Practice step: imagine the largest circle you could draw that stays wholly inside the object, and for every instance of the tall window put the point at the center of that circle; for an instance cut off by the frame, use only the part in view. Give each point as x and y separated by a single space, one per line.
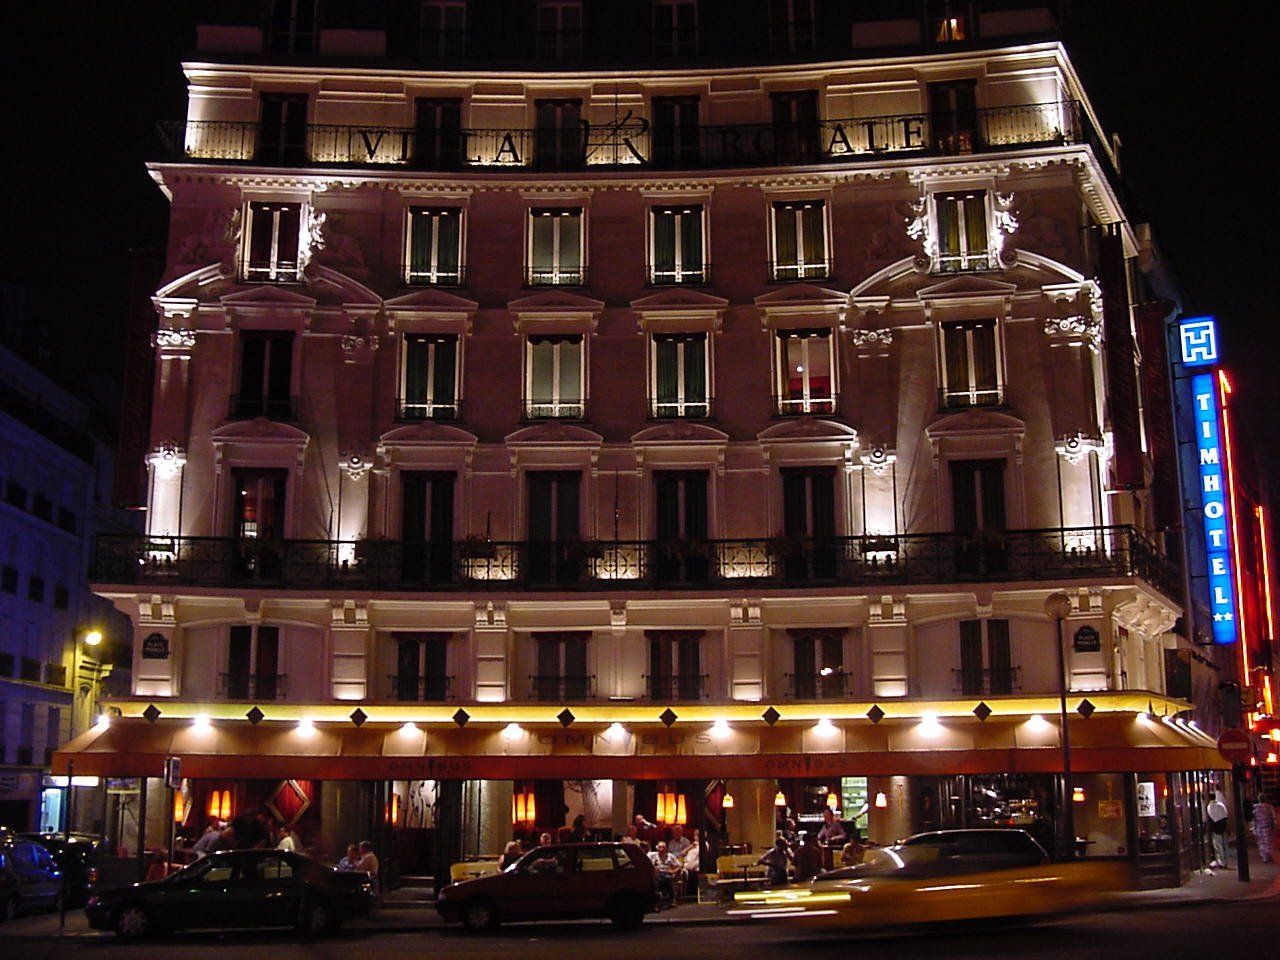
559 30
818 657
809 523
559 137
266 375
422 669
430 377
426 527
258 518
679 384
675 132
949 21
953 116
562 667
962 231
554 377
253 664
271 242
676 250
437 133
435 246
804 361
443 33
291 26
675 671
971 364
790 26
799 239
680 514
797 135
282 128
555 246
993 673
675 28
978 508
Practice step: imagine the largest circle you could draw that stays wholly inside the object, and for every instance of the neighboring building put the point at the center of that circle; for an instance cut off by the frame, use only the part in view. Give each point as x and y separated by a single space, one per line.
710 400
55 484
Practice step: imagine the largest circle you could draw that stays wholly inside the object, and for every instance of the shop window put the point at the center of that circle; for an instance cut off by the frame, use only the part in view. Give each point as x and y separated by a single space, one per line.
679 384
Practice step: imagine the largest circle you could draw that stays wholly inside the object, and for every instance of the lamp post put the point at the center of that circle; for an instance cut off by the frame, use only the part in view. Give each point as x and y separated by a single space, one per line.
1058 607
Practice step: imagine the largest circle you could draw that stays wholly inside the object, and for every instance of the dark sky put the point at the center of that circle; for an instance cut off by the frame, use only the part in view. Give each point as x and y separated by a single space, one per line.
1188 87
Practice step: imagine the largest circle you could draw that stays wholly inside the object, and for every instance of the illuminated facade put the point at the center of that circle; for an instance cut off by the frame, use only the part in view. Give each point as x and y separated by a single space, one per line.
560 438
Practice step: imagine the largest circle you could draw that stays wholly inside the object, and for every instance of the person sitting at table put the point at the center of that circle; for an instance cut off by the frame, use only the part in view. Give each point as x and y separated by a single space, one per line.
853 851
832 833
351 859
678 843
777 858
808 858
693 862
510 854
668 869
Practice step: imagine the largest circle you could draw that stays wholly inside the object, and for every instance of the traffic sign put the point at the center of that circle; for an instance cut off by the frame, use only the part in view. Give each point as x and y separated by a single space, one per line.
1236 746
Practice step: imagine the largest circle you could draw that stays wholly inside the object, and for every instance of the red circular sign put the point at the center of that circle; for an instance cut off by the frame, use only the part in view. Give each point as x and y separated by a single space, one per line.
1235 745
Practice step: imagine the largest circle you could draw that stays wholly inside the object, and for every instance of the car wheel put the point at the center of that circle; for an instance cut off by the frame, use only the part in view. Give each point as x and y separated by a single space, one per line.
133 921
479 915
626 912
315 918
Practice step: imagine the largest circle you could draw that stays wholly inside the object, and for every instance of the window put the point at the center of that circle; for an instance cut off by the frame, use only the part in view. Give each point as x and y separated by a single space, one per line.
437 133
258 522
562 667
553 553
978 517
443 35
680 513
796 131
9 579
291 26
818 659
35 589
675 131
559 30
962 231
810 549
435 246
949 21
675 671
799 240
559 137
16 494
993 674
253 662
675 28
970 364
61 597
52 732
66 520
266 375
555 246
805 362
272 242
282 128
790 26
554 375
676 247
42 507
953 116
421 667
426 527
679 384
430 377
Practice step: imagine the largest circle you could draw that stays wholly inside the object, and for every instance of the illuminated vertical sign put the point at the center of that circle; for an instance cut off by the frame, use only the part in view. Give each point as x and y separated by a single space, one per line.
1213 500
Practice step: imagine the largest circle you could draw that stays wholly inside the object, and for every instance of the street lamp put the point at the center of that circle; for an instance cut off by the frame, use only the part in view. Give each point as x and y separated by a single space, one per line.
1057 606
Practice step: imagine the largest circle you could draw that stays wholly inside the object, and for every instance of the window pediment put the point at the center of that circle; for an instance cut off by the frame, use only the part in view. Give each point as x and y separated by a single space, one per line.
555 311
967 288
430 310
272 305
679 432
259 442
802 305
679 311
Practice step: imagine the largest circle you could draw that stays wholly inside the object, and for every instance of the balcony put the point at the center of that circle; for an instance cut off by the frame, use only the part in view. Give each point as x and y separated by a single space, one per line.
557 688
992 680
673 687
252 686
631 143
1051 555
825 684
407 688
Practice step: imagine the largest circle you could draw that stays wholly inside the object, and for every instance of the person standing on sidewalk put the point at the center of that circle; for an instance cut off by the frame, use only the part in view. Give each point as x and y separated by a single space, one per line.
1264 826
1216 813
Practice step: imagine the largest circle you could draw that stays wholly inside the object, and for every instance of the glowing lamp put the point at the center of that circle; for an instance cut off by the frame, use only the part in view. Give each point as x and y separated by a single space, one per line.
832 801
779 799
727 802
1077 795
680 810
881 800
179 808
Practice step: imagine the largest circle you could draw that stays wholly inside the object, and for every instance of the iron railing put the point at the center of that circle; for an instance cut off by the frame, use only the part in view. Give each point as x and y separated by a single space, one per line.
664 687
557 688
633 142
819 685
1054 554
994 680
253 686
432 688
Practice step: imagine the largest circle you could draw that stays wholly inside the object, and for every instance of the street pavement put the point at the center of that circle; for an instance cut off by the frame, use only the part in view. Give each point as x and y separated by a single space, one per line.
408 910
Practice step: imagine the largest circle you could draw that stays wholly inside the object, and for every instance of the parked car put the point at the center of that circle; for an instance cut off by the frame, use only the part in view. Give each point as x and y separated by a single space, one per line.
237 888
8 887
558 882
77 857
36 882
943 876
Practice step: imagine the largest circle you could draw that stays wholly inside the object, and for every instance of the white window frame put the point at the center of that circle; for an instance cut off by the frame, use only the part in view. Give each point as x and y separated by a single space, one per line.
969 391
431 408
680 275
274 273
964 260
683 407
556 408
802 269
434 275
559 275
807 403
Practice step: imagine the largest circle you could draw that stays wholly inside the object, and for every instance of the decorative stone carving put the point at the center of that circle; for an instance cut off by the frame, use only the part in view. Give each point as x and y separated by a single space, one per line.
878 458
1073 447
355 465
167 460
173 340
872 338
313 237
1086 328
358 349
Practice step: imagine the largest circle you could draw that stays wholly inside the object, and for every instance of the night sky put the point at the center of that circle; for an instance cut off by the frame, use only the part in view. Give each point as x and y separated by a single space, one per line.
1189 93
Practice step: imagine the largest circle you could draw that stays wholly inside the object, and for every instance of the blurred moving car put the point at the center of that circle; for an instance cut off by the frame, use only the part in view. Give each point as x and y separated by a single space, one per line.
558 882
77 857
34 880
237 888
942 876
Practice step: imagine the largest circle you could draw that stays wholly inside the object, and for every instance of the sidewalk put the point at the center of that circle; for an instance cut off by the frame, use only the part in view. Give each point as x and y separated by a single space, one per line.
408 910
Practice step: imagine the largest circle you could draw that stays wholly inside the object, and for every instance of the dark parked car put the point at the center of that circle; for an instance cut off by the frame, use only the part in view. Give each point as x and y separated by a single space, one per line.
36 881
558 882
237 888
77 857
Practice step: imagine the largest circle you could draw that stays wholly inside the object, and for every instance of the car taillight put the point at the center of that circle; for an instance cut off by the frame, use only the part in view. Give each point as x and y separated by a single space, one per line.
93 874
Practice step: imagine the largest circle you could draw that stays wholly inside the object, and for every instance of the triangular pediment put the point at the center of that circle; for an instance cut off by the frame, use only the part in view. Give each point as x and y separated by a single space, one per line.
555 311
967 286
266 296
428 433
679 431
802 294
430 299
969 422
678 299
679 310
807 428
554 431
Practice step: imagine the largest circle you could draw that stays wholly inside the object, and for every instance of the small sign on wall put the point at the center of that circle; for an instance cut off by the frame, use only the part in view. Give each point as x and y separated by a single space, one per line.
1146 799
155 646
1087 640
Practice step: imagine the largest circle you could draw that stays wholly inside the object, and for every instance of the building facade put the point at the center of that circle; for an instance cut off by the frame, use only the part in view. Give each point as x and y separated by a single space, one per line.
706 412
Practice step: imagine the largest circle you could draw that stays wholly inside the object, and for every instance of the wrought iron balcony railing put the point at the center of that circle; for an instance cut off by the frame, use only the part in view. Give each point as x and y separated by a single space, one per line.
1054 554
557 688
253 686
825 684
408 688
995 680
634 142
664 687
428 409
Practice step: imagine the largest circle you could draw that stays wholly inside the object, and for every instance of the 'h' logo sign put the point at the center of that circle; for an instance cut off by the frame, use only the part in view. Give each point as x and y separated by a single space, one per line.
1199 342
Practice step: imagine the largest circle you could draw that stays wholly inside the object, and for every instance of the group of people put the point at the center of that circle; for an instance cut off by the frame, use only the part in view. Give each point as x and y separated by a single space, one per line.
1264 820
801 854
677 862
360 856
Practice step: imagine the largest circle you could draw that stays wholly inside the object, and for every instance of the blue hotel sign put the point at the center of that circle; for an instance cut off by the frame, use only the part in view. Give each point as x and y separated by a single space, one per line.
1199 348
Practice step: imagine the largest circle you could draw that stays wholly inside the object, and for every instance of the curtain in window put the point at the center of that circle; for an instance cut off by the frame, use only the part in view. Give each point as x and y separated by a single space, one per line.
948 227
784 231
417 355
444 373
998 657
971 657
814 247
955 348
667 373
695 372
239 651
984 362
664 245
408 655
435 674
975 226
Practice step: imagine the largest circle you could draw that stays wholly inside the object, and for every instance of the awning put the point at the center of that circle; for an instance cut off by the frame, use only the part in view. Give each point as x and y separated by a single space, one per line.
1104 743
